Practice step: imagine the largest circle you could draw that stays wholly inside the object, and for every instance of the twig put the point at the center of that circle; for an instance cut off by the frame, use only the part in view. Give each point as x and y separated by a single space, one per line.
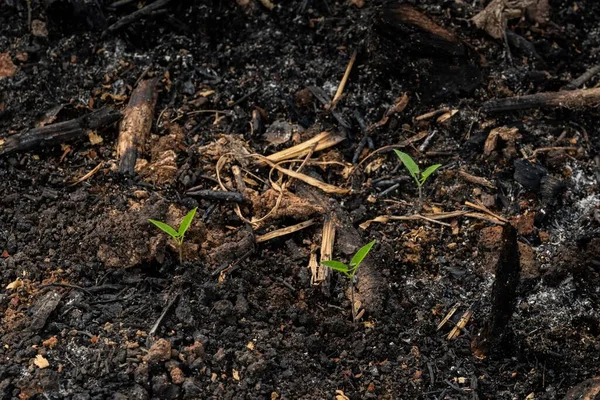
546 149
217 195
566 98
424 218
162 316
284 283
427 140
475 179
232 265
583 78
485 210
67 285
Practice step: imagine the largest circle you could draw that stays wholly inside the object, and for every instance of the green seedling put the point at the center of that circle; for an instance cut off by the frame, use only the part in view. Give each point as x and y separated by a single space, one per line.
351 269
415 172
177 235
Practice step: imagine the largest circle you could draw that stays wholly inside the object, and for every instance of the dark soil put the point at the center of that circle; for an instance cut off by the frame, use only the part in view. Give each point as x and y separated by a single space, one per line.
95 304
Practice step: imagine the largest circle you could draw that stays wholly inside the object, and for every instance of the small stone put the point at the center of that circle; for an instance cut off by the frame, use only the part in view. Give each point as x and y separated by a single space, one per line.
191 390
488 200
160 351
7 68
38 28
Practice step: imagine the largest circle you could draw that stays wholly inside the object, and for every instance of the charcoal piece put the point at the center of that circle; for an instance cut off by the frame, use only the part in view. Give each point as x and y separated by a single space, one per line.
551 188
68 15
405 42
490 338
529 174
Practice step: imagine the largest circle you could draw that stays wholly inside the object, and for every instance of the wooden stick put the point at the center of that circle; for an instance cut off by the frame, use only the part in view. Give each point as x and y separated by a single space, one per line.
569 98
136 124
61 132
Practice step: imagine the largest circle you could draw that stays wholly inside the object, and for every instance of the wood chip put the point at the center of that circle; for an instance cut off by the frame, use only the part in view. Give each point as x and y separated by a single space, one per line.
41 362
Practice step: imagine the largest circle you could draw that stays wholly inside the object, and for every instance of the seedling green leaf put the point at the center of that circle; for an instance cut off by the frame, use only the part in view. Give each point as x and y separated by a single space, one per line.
430 170
351 270
415 172
187 220
177 236
336 265
361 254
165 228
409 163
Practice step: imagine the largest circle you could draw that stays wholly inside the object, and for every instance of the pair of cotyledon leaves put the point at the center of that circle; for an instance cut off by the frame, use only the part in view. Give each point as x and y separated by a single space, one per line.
350 269
177 235
414 170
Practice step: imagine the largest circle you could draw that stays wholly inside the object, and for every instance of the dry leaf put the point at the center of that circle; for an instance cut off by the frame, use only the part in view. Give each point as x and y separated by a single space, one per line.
250 345
41 362
446 116
236 375
206 93
94 138
339 395
494 18
15 284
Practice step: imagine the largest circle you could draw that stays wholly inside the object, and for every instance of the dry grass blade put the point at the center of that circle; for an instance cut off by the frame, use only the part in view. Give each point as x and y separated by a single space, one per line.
326 187
340 89
284 231
433 218
88 175
322 141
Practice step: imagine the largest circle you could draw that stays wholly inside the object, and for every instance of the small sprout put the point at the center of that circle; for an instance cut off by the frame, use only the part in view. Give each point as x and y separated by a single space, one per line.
177 235
351 269
415 172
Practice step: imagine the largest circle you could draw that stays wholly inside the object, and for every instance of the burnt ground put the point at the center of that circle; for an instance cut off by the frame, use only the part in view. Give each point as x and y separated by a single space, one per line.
94 302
